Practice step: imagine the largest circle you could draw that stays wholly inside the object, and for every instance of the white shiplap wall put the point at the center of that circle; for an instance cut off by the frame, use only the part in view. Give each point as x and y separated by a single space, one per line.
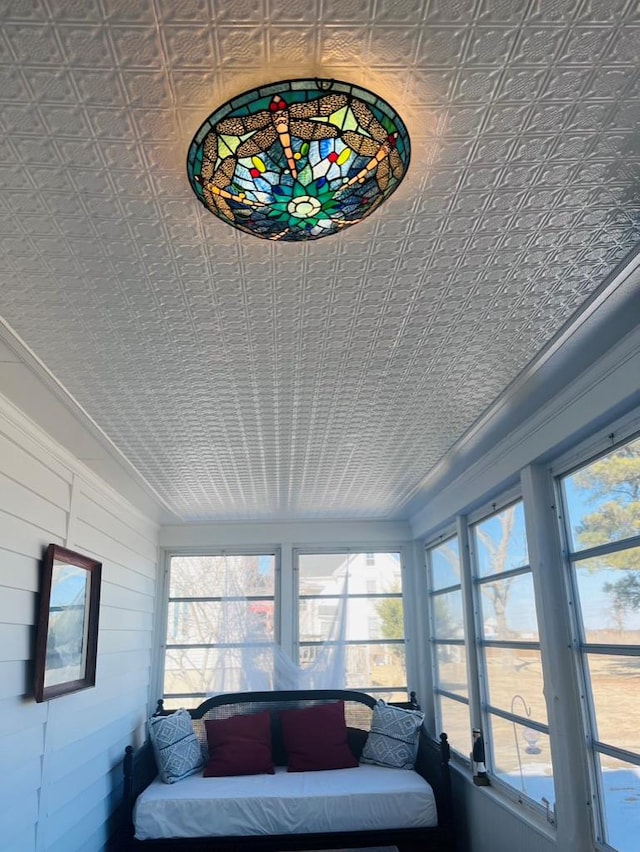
60 761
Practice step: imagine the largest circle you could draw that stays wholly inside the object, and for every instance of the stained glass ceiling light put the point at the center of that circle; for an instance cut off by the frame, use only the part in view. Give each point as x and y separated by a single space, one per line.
298 160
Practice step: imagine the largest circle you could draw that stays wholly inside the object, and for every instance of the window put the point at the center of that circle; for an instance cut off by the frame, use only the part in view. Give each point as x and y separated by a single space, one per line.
219 606
514 712
336 607
601 528
223 615
449 653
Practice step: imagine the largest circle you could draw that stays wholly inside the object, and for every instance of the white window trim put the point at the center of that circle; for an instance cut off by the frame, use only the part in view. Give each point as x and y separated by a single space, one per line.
600 443
607 440
161 621
488 510
403 550
433 543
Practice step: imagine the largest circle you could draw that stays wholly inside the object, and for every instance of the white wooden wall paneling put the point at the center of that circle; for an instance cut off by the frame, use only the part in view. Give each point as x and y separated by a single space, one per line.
16 713
354 534
105 759
88 539
25 776
12 678
20 502
22 838
33 442
17 606
22 812
25 537
127 579
21 466
77 803
116 641
72 727
97 789
92 775
115 618
139 541
17 744
102 749
111 665
18 571
116 596
62 759
81 835
15 642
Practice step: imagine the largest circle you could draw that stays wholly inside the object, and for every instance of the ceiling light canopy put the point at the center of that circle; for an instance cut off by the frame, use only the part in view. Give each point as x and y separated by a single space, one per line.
299 159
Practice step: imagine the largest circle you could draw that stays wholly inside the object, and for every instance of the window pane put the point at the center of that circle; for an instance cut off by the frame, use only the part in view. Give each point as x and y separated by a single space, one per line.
366 588
453 719
621 785
217 576
451 669
602 499
367 618
522 759
375 665
197 670
180 703
500 541
514 682
317 618
448 622
204 622
609 589
615 686
444 562
324 573
509 609
189 670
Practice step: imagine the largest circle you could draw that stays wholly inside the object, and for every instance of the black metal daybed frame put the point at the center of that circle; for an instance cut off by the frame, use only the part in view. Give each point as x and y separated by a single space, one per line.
432 764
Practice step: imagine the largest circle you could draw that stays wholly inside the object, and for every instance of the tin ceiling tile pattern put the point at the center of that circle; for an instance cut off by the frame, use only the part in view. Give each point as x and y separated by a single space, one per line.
249 380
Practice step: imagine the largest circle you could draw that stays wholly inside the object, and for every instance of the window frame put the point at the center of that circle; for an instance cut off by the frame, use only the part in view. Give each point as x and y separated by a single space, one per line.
366 552
583 455
434 641
490 509
161 632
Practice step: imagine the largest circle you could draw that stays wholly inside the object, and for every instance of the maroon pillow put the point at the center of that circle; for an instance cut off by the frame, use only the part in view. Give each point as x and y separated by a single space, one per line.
240 745
316 738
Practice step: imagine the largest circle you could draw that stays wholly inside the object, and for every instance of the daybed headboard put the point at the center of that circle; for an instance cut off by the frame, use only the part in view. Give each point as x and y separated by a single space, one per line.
358 710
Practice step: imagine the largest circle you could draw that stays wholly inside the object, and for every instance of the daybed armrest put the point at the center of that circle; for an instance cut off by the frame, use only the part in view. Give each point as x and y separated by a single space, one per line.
140 769
432 763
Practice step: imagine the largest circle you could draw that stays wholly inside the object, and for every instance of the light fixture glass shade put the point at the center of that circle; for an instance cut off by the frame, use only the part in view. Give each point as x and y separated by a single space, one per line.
298 160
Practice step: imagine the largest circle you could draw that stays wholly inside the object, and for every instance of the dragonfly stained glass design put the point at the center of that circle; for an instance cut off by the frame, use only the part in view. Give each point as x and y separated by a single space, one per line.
298 160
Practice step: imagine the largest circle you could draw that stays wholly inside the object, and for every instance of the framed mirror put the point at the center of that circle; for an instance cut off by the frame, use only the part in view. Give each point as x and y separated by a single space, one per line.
67 630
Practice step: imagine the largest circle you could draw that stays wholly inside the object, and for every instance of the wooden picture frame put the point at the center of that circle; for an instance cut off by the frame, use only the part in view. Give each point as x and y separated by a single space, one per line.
67 631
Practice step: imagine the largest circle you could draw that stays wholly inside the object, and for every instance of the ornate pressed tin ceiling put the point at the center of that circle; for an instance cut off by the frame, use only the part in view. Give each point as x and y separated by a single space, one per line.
251 380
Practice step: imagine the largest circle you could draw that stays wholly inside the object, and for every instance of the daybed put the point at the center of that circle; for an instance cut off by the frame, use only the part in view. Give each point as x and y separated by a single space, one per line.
327 809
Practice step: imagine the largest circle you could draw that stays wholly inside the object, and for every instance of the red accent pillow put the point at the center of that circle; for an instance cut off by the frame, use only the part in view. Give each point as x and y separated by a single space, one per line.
240 745
316 738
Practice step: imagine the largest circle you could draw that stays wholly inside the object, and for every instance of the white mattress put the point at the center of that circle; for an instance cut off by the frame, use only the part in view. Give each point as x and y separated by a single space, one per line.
363 798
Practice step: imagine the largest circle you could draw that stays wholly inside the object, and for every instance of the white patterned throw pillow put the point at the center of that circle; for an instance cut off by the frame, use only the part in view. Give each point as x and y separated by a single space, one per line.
175 745
393 738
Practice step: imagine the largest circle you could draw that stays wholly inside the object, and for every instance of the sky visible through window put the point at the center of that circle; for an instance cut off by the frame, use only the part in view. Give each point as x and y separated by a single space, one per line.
602 508
608 493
